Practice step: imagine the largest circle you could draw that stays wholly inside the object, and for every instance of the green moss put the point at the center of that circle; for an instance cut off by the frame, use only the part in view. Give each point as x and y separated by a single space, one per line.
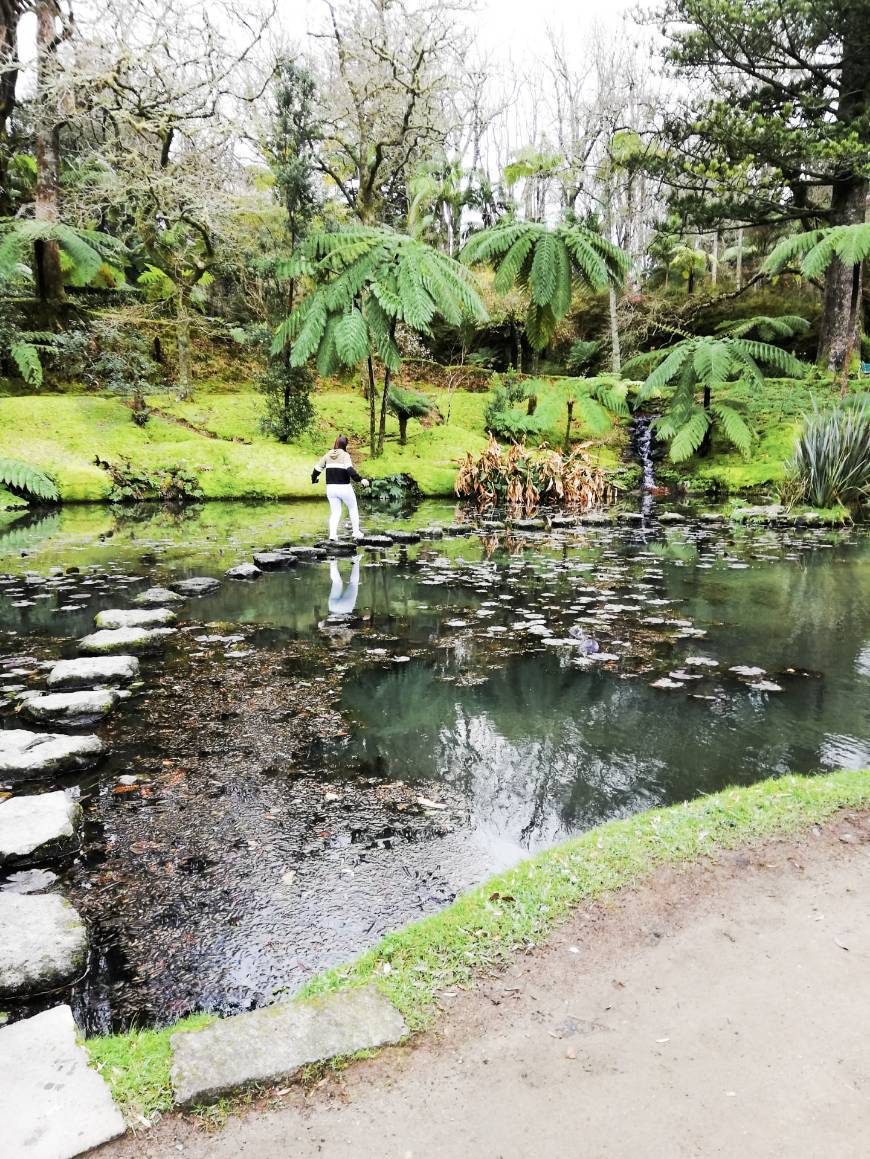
136 1066
518 908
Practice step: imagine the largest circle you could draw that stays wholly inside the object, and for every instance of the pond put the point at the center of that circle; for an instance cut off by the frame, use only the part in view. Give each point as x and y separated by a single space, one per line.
330 751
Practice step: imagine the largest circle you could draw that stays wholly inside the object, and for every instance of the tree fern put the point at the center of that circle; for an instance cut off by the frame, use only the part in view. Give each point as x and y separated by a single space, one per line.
87 251
27 481
549 263
704 363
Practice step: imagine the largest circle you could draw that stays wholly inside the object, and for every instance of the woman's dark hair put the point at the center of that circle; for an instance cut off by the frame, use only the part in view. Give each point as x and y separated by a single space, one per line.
340 443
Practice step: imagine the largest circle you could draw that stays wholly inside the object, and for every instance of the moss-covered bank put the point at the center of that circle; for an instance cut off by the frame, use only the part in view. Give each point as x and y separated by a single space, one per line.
480 931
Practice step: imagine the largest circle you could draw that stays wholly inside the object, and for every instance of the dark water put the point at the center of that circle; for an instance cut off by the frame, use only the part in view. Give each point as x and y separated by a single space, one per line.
384 733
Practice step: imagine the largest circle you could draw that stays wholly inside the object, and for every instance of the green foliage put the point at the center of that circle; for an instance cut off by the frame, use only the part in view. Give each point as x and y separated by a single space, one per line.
292 136
816 249
27 482
501 418
396 491
548 263
409 404
123 365
831 461
582 356
369 280
706 362
26 348
90 255
131 484
288 410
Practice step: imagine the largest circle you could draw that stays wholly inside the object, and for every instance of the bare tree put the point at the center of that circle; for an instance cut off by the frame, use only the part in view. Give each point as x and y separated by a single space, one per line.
387 72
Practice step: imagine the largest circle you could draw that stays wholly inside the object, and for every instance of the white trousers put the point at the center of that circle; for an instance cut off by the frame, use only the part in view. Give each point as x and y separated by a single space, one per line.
338 493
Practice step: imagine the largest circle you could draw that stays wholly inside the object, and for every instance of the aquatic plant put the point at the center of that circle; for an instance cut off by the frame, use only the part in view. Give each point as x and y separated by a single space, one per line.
831 460
523 477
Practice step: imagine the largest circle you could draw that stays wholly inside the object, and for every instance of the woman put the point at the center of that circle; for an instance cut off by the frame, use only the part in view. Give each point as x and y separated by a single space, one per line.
339 489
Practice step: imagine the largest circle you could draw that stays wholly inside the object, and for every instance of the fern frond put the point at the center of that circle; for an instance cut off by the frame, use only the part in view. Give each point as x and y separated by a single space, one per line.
25 355
351 338
690 435
30 482
733 427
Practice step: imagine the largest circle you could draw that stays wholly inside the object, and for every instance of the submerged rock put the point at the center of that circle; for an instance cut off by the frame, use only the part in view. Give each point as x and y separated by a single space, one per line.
197 585
43 943
153 597
88 671
80 707
244 571
118 639
61 1105
120 618
30 753
37 827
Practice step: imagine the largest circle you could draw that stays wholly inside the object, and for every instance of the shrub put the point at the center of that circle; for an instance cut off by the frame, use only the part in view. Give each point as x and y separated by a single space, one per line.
394 491
134 484
524 478
288 410
124 366
831 460
502 419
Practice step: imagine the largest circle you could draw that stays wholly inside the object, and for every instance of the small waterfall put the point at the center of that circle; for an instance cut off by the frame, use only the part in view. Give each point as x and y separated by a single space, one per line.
642 442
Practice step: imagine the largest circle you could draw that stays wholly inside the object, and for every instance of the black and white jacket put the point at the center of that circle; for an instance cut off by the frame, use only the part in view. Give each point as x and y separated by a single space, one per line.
338 466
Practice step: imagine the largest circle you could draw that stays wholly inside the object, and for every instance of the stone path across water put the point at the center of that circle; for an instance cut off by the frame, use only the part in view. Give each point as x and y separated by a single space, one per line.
52 1104
38 826
43 944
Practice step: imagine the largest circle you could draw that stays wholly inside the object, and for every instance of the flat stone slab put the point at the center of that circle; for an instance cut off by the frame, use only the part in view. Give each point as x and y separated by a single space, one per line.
43 943
85 672
268 1045
376 540
138 618
52 1104
154 597
28 753
197 585
244 571
109 640
38 826
81 706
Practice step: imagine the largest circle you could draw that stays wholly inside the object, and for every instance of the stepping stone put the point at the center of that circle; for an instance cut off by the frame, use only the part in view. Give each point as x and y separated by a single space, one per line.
747 670
375 541
154 597
596 518
29 881
119 639
37 827
271 1044
409 536
337 547
86 672
458 529
197 585
30 753
563 521
244 571
527 524
43 943
307 553
118 618
273 560
71 707
54 1105
671 517
666 682
429 533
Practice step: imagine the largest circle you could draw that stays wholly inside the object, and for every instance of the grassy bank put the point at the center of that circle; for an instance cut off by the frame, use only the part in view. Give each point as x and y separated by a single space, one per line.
216 436
516 909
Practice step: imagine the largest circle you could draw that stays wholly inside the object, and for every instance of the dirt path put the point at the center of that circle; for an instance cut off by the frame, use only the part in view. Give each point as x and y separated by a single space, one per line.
719 1011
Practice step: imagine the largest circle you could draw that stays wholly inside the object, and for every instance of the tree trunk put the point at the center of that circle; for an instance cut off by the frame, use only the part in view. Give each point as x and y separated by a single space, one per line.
182 337
373 450
853 326
403 430
567 447
714 260
738 273
707 441
615 347
49 277
837 325
382 425
10 14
